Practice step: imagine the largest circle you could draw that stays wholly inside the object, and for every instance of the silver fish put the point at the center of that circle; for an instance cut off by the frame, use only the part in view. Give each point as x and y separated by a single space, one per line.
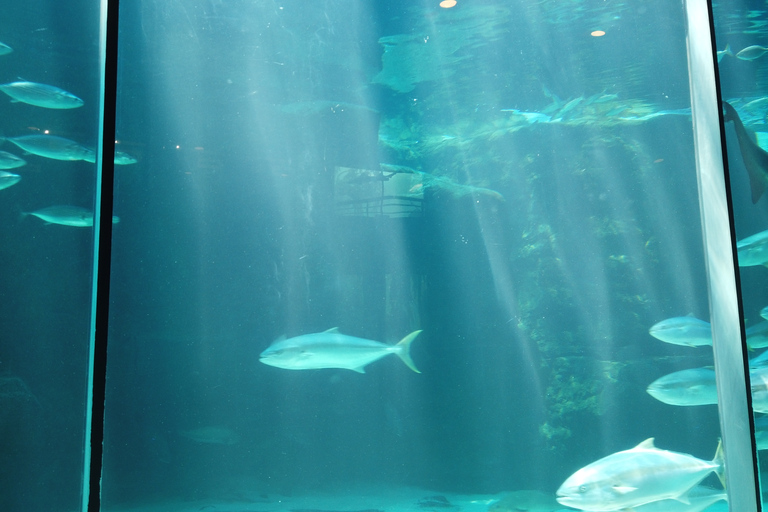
686 387
121 158
723 53
10 161
41 95
331 349
8 179
52 146
634 477
751 52
753 250
67 215
683 330
5 49
764 312
757 335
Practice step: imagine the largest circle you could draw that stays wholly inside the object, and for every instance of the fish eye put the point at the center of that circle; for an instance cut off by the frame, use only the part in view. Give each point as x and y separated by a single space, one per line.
582 488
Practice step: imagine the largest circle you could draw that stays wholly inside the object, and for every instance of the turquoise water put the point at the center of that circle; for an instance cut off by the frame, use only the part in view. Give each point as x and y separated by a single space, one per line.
515 179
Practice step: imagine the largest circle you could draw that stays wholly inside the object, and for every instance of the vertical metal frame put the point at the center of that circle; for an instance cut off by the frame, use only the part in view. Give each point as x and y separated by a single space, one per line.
731 364
102 256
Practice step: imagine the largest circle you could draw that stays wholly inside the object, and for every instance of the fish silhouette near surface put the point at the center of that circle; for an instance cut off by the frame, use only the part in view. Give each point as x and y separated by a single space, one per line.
755 158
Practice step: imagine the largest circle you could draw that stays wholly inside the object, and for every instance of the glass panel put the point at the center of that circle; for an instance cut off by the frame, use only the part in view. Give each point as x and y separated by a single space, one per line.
406 255
50 113
742 33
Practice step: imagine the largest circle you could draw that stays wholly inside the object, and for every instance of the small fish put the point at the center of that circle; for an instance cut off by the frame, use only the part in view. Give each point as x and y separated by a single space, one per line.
683 330
751 52
212 435
331 349
121 158
41 95
5 49
757 336
10 161
634 477
685 388
755 158
753 250
8 179
723 53
764 312
52 146
66 215
758 379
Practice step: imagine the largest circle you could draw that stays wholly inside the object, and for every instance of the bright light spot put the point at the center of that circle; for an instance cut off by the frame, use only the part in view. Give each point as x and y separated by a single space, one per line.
447 4
46 131
178 147
597 33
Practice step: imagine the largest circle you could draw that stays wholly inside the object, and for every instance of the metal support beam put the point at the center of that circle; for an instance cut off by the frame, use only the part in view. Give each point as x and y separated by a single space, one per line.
731 364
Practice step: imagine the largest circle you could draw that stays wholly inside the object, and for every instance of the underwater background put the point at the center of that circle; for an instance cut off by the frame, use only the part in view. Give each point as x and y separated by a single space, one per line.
497 174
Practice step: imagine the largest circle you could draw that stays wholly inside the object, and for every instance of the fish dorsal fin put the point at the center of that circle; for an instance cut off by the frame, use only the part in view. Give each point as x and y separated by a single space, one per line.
333 330
623 489
646 445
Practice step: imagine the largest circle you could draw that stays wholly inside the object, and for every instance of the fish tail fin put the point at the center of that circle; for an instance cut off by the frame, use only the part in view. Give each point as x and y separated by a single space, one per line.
404 351
730 112
719 461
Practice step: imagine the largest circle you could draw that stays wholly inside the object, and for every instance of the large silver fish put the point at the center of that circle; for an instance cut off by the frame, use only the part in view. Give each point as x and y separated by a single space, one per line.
8 179
52 146
41 95
10 161
634 477
687 387
753 250
67 215
331 349
683 330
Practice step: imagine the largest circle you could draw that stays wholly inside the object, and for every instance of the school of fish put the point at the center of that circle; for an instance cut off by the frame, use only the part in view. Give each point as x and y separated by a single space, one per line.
43 145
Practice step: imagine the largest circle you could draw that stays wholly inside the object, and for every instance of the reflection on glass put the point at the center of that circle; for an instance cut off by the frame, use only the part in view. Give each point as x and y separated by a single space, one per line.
312 181
47 264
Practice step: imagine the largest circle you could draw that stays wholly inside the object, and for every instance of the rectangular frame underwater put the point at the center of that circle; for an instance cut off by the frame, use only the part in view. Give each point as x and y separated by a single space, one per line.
497 179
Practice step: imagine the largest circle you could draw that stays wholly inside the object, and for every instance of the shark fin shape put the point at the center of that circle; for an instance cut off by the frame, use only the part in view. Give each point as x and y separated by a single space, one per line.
646 445
755 158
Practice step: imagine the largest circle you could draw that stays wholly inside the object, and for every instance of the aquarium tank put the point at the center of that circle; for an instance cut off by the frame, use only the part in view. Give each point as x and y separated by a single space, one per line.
400 256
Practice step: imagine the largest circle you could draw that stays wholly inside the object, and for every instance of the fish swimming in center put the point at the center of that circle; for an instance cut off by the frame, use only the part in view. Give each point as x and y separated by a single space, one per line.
634 477
755 158
331 349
